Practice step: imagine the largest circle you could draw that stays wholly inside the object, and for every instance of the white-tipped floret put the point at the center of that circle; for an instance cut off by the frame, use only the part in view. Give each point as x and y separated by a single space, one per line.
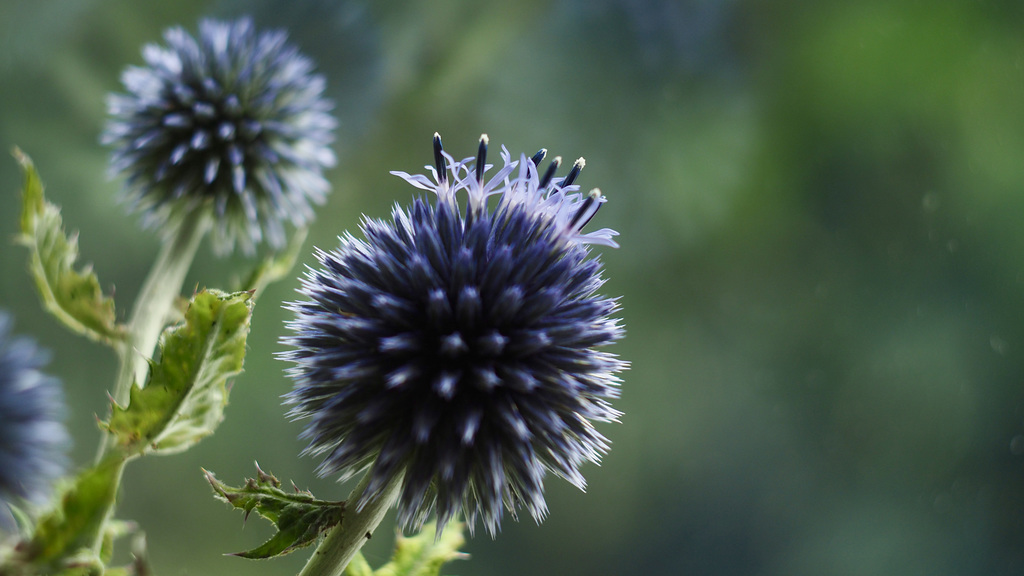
556 199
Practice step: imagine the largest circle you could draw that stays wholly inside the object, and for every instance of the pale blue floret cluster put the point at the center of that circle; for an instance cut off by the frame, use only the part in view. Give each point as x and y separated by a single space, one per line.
33 439
459 345
231 119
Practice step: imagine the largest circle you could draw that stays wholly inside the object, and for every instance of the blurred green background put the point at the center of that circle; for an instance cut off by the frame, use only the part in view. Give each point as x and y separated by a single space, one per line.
822 265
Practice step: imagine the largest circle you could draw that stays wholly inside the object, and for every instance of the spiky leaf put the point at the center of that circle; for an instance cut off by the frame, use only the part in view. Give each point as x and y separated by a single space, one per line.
419 555
186 392
72 296
298 516
66 536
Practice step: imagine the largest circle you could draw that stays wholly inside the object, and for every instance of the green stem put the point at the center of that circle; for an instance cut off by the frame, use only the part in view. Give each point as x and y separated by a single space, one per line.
105 511
152 309
339 546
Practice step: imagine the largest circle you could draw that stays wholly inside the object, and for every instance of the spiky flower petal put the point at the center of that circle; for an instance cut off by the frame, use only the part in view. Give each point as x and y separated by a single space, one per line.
33 440
233 121
459 346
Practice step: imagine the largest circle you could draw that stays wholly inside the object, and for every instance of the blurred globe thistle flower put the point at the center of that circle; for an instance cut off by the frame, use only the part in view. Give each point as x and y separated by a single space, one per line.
33 440
231 120
460 348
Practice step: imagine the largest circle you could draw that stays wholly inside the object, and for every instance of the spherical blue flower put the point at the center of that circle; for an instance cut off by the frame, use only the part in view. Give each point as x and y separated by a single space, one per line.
33 440
232 121
459 345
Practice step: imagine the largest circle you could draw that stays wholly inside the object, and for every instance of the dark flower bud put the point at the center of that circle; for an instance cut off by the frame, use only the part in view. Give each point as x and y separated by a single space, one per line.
231 121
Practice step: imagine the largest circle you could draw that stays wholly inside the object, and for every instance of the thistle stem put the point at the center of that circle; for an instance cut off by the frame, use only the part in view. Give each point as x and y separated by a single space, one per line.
343 541
152 309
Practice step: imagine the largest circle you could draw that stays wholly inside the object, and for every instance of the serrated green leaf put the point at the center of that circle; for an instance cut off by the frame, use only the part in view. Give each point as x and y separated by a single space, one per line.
424 553
186 393
299 517
72 296
65 536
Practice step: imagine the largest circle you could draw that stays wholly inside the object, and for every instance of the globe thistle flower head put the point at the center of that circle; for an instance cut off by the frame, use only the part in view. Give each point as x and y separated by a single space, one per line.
232 121
33 440
459 346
